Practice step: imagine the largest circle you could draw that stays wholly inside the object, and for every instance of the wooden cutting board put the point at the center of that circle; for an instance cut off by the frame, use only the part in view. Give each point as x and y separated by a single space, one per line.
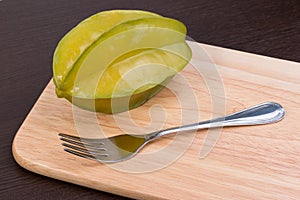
253 162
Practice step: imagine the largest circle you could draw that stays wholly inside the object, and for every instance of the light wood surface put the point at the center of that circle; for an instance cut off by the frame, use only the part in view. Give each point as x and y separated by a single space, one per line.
246 162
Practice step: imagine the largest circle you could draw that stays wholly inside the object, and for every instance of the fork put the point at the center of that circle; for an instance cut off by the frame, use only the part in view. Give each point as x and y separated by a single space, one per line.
122 147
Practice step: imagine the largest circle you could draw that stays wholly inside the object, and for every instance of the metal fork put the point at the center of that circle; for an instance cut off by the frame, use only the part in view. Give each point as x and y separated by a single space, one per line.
122 147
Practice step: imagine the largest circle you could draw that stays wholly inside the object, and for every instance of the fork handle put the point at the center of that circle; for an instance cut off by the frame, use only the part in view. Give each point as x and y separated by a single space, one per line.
265 113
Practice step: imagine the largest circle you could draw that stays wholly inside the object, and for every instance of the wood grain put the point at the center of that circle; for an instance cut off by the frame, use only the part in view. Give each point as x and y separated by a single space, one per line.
246 162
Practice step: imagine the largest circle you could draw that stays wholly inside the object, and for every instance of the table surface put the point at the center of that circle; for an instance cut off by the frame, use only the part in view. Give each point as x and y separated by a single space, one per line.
31 29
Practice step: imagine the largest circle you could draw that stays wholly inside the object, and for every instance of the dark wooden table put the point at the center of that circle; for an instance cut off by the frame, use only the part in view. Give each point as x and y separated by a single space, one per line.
30 30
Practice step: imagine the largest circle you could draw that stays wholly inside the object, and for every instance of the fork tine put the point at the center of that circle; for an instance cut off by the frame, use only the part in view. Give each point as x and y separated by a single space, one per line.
84 153
84 145
84 150
89 156
63 135
72 142
76 138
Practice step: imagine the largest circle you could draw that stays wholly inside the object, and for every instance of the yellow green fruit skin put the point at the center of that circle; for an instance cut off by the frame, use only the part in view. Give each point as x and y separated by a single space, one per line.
127 102
82 48
174 29
119 104
76 41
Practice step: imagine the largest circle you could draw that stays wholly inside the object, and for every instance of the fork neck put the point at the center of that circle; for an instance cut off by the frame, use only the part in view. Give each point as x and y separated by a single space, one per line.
190 127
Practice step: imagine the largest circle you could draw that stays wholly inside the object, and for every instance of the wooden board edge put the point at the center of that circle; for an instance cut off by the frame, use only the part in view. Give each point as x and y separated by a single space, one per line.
42 169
